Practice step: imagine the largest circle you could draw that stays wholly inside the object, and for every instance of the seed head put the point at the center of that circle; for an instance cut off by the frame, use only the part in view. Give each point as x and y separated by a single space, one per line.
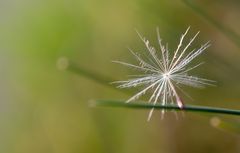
163 72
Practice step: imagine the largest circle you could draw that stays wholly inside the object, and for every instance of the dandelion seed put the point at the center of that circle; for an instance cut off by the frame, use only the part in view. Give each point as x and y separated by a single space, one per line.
163 72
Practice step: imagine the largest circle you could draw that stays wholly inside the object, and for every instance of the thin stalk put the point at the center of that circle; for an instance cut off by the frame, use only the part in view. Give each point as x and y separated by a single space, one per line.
104 80
192 108
65 64
229 33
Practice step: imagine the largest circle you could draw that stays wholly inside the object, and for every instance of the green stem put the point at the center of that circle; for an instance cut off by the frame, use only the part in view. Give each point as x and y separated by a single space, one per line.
193 108
72 67
229 33
65 64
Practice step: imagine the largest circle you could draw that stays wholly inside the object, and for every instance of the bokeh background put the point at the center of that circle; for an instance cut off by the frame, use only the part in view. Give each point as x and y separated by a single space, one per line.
46 110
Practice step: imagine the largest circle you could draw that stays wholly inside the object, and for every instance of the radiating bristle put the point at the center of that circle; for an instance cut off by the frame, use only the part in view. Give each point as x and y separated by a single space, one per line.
164 73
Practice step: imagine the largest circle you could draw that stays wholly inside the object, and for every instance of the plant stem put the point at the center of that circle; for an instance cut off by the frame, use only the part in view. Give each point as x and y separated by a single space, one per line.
193 108
72 67
65 64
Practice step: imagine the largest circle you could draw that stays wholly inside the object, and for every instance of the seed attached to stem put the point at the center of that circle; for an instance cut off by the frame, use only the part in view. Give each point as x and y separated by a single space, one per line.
164 72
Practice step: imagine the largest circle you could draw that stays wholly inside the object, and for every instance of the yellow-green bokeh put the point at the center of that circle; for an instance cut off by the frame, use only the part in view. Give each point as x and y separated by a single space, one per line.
44 110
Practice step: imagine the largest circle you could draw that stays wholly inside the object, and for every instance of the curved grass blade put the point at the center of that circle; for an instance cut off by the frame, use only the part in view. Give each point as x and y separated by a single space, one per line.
192 108
65 64
229 33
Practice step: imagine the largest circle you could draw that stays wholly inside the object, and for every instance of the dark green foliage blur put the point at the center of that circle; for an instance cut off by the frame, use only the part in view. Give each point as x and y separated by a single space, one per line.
46 110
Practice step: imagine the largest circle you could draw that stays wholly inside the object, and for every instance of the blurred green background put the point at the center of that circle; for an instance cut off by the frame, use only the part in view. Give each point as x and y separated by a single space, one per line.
44 110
